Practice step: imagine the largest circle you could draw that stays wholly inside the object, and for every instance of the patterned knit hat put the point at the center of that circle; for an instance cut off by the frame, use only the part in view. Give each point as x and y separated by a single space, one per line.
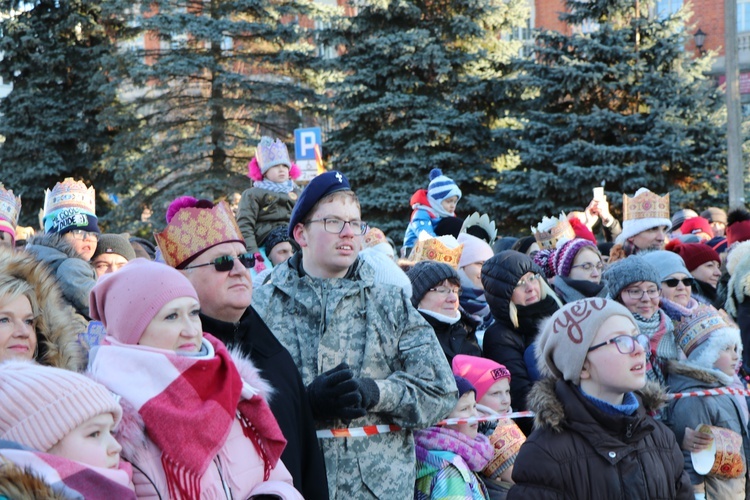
440 188
694 254
666 263
276 236
704 334
567 335
43 404
427 274
126 301
563 257
544 258
480 372
632 269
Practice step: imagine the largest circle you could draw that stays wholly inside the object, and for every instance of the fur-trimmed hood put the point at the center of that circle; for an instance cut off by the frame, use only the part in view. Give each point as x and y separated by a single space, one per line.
549 410
54 241
684 374
58 325
19 483
131 431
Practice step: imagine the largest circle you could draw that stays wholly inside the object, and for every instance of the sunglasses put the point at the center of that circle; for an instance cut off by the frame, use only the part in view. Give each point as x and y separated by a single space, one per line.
226 262
673 282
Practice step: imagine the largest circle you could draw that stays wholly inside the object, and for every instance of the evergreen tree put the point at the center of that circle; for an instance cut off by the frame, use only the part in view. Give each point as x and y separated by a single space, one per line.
418 91
52 54
624 103
204 81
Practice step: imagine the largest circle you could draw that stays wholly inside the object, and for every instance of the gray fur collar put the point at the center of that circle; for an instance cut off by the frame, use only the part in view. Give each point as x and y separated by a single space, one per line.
54 240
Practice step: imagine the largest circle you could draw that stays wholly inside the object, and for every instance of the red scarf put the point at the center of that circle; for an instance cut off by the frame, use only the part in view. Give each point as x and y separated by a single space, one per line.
189 416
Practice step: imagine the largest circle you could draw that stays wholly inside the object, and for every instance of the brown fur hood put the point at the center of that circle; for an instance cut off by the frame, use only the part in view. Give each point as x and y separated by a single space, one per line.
131 431
58 325
550 411
702 375
16 483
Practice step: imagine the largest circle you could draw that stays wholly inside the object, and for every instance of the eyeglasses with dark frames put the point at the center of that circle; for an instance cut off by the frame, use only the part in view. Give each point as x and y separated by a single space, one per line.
336 226
637 293
444 290
673 282
625 343
226 262
82 235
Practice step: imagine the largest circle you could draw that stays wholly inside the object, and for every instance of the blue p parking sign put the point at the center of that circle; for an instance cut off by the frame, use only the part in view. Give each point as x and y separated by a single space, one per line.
305 140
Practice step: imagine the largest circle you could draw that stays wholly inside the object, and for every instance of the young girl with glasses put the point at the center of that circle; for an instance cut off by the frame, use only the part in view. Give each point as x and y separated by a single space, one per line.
593 435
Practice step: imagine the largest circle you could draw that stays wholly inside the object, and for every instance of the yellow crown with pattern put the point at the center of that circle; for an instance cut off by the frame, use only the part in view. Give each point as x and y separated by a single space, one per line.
645 205
193 230
553 231
10 205
444 249
70 194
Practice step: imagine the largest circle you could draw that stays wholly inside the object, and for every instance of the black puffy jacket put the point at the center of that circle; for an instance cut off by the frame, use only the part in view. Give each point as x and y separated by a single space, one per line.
503 342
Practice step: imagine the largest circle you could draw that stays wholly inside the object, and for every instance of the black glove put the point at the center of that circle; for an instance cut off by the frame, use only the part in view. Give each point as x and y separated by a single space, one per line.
336 394
369 391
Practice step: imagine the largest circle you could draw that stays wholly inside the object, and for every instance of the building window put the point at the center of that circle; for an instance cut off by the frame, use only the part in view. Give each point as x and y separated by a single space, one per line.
743 16
665 8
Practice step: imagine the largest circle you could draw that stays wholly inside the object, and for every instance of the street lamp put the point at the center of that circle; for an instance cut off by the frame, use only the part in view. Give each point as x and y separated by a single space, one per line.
700 40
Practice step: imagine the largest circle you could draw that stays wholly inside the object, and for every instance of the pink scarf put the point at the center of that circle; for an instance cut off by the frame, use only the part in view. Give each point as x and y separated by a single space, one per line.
188 405
70 477
476 452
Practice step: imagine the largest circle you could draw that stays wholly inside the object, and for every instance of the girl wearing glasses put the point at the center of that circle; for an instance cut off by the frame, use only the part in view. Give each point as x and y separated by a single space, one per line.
578 268
519 299
634 283
594 436
436 288
196 424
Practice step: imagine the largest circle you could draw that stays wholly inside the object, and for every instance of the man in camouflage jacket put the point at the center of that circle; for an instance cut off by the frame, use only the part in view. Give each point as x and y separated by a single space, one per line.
366 355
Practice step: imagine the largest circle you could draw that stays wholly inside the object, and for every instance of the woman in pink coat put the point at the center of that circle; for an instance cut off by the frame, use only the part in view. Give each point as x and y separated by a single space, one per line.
195 424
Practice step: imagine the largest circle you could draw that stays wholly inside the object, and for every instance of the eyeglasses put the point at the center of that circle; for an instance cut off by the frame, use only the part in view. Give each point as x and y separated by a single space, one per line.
588 266
625 343
673 282
444 290
226 262
335 226
82 235
528 281
637 293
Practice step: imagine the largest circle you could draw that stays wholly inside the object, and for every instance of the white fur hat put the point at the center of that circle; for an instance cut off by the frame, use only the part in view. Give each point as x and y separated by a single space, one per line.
633 226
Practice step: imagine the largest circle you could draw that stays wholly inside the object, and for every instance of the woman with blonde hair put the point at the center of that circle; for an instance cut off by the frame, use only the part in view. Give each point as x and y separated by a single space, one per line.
519 298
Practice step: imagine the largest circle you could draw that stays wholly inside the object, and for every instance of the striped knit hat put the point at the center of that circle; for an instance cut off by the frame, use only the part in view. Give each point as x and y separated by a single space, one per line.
440 188
565 255
42 404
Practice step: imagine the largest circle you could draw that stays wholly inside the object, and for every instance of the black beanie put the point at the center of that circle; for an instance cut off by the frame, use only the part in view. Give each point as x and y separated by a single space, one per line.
427 274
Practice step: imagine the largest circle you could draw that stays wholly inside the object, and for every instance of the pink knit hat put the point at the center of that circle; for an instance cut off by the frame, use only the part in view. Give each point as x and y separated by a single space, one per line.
481 372
42 404
126 301
475 250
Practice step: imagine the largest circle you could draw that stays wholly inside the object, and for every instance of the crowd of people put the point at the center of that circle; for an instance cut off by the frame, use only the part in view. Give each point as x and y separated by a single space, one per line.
286 349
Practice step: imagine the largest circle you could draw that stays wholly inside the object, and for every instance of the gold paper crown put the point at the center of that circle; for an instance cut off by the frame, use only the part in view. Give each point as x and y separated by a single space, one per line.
70 194
552 230
507 440
10 205
374 236
691 331
440 249
193 230
646 205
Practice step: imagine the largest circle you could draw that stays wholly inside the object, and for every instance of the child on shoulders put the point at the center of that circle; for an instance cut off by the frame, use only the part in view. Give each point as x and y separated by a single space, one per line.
438 201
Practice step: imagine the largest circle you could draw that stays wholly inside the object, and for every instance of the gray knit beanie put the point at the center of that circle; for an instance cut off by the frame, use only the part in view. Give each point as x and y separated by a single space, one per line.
666 262
114 244
427 274
627 271
567 335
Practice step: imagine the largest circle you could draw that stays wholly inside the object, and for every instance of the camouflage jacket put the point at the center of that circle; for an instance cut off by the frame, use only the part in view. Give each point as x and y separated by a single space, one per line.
323 322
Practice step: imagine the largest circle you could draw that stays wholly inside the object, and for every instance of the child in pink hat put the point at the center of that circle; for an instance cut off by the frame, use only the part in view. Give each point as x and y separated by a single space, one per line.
492 383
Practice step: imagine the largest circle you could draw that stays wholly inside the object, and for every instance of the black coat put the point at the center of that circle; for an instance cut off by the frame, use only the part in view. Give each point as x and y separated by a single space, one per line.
302 455
457 338
580 452
503 342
